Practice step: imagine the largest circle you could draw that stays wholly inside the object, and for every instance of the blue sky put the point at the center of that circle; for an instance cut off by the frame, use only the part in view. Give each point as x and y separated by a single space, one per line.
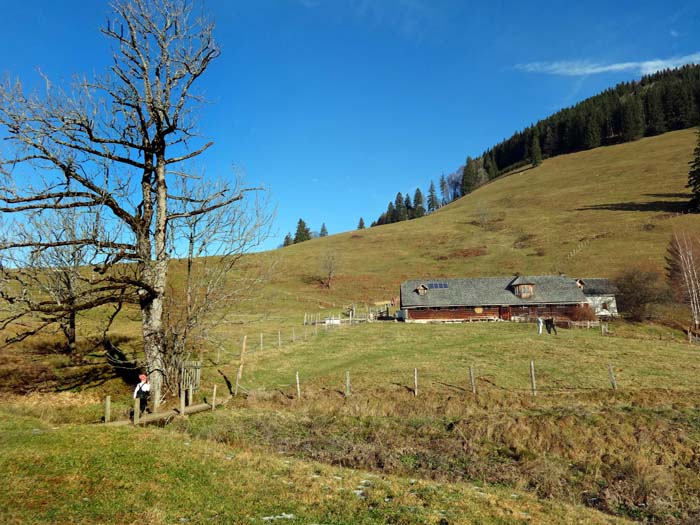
335 105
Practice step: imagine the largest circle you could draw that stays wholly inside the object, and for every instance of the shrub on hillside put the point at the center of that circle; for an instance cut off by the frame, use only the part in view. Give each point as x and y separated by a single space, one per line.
639 292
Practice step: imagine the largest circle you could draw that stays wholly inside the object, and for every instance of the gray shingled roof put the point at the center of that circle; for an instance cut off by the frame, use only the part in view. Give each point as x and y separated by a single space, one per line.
598 286
490 291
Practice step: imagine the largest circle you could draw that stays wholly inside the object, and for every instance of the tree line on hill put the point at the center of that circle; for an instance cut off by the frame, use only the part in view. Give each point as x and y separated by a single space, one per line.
665 101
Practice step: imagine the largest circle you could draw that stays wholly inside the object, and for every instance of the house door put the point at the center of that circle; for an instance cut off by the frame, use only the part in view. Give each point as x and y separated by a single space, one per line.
504 313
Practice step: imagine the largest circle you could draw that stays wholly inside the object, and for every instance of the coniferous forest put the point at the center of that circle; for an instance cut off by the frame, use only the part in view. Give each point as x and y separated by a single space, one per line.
665 101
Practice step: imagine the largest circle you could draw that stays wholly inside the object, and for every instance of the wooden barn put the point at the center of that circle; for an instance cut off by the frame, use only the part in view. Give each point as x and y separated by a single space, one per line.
517 298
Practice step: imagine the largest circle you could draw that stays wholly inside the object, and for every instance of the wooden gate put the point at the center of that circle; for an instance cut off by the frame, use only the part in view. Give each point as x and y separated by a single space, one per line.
191 375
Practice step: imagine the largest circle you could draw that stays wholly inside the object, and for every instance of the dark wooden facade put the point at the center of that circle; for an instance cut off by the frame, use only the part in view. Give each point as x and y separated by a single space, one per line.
566 312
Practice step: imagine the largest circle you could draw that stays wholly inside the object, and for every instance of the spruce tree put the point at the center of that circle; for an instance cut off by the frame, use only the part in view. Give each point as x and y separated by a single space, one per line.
490 166
433 202
592 137
418 205
654 111
694 178
324 231
470 175
361 224
409 207
303 232
400 213
632 119
390 213
288 241
535 151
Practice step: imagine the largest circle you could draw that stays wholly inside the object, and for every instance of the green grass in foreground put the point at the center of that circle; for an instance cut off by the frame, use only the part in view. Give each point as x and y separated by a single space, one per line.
93 474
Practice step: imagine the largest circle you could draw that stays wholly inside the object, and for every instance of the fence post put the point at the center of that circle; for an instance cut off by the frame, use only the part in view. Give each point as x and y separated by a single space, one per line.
298 387
415 382
137 410
239 374
471 379
347 383
279 339
190 395
245 339
613 383
532 378
108 409
213 398
182 401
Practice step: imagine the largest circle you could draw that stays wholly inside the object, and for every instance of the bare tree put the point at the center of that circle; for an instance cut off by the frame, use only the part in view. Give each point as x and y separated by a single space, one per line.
210 249
115 144
683 271
43 272
329 269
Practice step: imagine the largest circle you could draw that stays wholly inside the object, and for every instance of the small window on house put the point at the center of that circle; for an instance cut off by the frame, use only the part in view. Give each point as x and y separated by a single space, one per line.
524 291
605 306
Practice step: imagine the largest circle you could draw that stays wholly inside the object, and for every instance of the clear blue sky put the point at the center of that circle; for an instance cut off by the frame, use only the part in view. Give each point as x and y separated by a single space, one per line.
336 105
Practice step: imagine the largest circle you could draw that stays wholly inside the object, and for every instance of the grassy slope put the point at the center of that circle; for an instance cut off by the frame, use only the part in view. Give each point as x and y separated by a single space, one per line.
154 476
618 200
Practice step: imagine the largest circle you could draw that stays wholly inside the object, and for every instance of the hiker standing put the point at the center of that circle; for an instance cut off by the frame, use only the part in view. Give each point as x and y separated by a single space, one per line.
540 322
142 391
548 325
553 325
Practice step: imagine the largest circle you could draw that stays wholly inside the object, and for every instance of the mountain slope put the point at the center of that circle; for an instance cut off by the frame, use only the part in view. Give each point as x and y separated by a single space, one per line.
595 212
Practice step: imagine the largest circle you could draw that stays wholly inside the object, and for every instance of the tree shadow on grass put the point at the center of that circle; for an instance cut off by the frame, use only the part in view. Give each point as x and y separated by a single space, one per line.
651 206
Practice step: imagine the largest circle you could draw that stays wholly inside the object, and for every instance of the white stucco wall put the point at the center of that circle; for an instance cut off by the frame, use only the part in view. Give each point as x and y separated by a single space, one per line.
598 303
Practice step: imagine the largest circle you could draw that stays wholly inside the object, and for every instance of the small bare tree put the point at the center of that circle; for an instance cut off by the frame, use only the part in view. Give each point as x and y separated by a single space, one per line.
211 248
115 144
329 269
683 271
44 271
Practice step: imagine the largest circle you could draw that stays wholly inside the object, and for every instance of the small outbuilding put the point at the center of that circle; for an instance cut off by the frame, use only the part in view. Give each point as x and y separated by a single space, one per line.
600 294
519 298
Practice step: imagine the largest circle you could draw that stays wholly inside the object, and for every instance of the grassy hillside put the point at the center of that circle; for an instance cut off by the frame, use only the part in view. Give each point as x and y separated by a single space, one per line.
596 212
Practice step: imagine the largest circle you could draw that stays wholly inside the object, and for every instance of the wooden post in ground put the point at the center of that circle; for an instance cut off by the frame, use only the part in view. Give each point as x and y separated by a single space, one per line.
245 339
304 318
471 379
137 410
298 387
108 409
213 398
613 383
532 378
182 401
415 382
190 395
347 383
279 339
239 374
